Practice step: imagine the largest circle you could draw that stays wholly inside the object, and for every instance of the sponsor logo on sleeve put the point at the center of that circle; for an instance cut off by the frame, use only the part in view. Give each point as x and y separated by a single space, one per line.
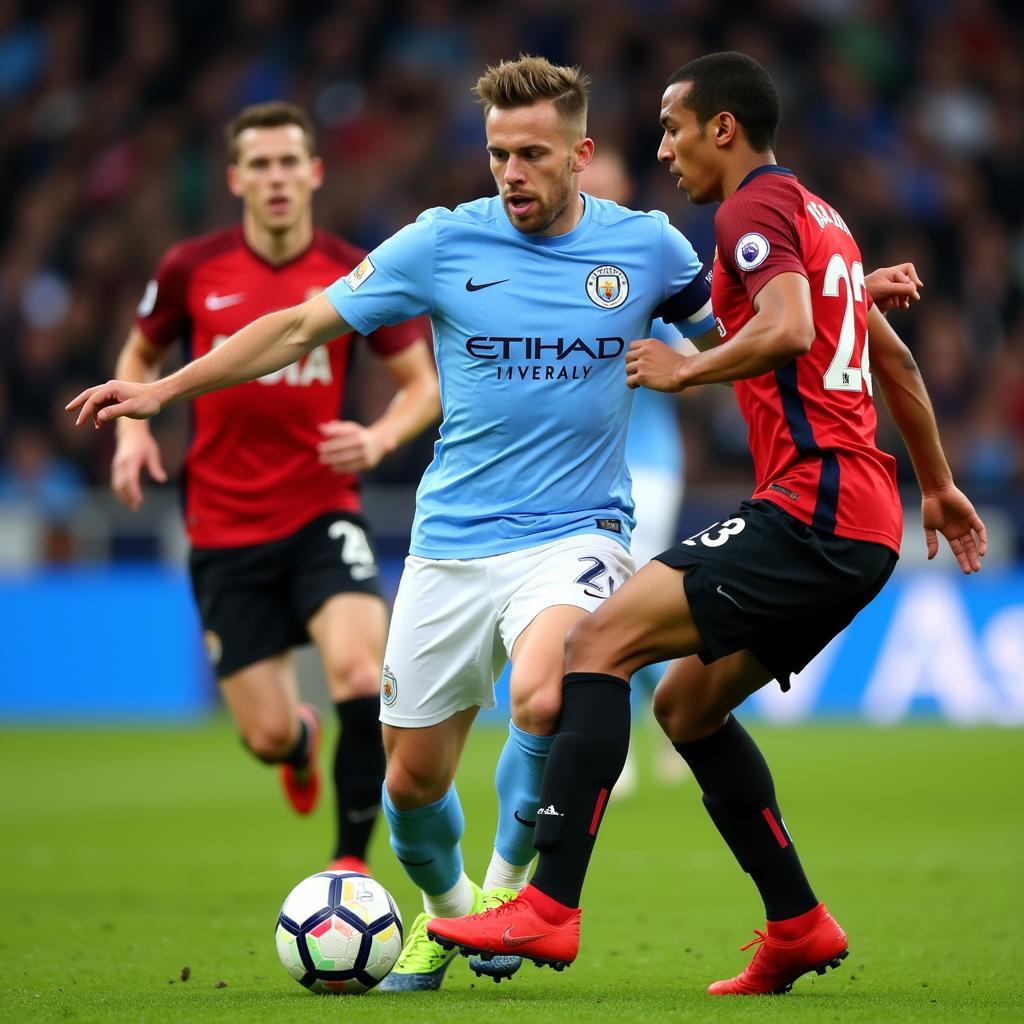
751 251
607 287
356 277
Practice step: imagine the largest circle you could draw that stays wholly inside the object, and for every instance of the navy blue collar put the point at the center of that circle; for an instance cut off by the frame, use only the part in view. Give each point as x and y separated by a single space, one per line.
764 169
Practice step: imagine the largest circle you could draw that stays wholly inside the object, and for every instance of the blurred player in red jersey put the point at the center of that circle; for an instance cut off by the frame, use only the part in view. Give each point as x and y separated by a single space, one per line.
280 554
755 596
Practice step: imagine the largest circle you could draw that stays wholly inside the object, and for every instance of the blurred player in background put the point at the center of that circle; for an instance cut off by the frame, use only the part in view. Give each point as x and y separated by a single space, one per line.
754 597
656 457
523 518
280 553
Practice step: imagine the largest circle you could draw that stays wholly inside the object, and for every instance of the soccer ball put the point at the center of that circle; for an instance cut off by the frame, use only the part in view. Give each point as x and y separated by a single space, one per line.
339 932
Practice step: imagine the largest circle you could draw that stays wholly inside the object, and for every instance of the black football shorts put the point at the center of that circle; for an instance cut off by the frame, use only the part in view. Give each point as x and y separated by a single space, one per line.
762 580
254 601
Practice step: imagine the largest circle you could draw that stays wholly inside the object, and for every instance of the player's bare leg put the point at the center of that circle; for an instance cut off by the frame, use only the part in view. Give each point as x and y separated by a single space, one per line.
423 812
694 700
585 760
263 700
349 631
646 621
693 705
535 689
535 685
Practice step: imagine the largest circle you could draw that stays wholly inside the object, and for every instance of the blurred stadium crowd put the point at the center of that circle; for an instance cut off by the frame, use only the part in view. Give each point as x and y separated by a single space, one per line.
908 117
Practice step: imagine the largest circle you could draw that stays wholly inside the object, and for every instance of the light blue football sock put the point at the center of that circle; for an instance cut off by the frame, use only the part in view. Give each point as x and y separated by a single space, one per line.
517 780
426 841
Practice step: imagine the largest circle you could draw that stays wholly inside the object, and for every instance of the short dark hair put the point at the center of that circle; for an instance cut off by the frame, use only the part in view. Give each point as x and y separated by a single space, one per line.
737 83
274 114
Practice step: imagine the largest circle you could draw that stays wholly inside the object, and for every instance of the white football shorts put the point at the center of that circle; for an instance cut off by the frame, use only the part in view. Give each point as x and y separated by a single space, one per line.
455 621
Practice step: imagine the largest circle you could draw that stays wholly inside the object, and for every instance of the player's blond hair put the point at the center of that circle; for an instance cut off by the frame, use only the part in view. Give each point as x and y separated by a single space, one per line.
274 114
528 80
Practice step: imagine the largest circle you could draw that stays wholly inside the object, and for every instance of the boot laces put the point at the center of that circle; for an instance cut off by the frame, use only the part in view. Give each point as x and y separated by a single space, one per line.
501 910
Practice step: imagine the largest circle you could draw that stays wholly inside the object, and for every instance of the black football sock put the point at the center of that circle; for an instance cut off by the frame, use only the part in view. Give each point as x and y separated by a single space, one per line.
586 758
358 774
740 797
298 756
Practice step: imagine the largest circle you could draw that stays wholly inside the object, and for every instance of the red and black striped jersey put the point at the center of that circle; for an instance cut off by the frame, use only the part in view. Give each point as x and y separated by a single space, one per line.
252 474
811 422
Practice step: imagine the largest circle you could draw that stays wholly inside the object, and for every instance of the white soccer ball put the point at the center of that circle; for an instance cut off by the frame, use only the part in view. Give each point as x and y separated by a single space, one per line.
339 932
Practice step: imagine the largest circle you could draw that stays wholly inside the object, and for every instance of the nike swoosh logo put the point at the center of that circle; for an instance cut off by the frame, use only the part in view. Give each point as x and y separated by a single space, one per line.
357 817
729 597
215 302
518 940
523 821
470 287
415 863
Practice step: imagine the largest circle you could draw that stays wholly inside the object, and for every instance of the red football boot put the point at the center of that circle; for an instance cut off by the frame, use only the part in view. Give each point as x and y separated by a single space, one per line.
350 863
779 962
302 785
512 929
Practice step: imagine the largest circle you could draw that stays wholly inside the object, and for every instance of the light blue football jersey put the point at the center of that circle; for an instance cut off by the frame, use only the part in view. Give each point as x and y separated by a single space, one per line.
654 440
530 335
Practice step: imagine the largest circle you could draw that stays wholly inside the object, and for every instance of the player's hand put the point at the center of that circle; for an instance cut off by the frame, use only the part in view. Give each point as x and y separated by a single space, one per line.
951 513
116 398
894 287
653 364
349 447
136 450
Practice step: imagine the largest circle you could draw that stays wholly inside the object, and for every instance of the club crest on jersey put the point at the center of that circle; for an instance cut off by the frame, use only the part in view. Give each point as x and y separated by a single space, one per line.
214 648
388 687
607 287
357 276
751 251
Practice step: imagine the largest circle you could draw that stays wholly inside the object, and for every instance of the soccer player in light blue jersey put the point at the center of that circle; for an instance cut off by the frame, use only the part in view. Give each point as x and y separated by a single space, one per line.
523 517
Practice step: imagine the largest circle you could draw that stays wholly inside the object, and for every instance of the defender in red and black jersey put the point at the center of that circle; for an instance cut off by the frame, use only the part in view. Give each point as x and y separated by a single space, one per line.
253 471
280 553
758 594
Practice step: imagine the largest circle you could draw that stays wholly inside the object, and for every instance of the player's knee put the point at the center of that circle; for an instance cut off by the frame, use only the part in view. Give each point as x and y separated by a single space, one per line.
665 712
269 740
350 677
678 718
414 785
685 724
537 712
583 641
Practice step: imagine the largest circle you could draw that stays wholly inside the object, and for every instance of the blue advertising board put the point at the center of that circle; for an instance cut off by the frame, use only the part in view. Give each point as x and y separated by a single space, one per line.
125 644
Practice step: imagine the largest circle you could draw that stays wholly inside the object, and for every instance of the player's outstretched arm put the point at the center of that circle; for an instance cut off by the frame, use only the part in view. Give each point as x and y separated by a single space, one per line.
894 287
267 344
350 447
781 328
944 508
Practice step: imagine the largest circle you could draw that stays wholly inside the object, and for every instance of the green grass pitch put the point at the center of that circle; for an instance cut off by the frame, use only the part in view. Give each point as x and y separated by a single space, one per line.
129 855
